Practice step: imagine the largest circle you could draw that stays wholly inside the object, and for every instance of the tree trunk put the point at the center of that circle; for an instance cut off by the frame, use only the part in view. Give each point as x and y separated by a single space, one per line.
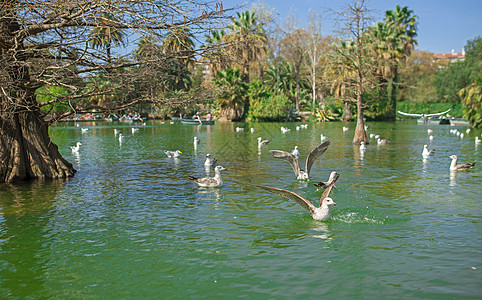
26 151
360 133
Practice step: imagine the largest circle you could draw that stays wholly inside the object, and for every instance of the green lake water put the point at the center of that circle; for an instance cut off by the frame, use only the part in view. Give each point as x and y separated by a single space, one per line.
131 225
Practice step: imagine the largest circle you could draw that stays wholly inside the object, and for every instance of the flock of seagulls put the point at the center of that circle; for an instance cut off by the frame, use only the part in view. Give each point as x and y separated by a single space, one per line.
322 212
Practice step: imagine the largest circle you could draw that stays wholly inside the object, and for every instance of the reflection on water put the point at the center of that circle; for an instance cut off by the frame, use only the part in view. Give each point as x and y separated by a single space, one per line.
131 215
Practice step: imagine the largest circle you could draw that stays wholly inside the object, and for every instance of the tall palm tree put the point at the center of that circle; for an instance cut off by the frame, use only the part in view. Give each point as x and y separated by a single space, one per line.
214 52
248 38
393 42
105 35
179 46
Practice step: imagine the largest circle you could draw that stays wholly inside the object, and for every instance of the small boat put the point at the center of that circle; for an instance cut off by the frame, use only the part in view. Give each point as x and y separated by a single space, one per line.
197 122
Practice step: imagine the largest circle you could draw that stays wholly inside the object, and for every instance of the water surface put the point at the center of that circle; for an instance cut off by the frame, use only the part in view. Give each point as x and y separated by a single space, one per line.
130 224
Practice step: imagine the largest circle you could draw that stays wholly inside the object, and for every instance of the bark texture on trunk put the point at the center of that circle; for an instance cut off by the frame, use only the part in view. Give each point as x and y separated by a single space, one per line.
26 151
360 133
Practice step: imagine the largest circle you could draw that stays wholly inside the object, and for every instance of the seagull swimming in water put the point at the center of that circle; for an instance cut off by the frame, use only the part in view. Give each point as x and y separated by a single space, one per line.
76 147
210 181
382 141
363 146
121 138
196 141
174 154
293 160
459 167
210 161
323 137
426 153
320 213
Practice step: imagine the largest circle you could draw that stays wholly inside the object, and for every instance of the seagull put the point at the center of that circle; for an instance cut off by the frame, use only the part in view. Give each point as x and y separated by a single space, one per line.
174 154
210 181
345 128
196 141
320 213
363 146
372 135
295 152
468 130
210 161
477 140
84 130
377 136
116 132
430 137
429 131
262 142
426 153
323 137
459 167
76 147
239 129
284 129
304 126
382 141
134 130
293 160
461 136
325 185
121 138
253 130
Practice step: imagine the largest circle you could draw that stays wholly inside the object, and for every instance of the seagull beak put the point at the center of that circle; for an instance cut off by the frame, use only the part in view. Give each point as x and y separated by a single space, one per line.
334 204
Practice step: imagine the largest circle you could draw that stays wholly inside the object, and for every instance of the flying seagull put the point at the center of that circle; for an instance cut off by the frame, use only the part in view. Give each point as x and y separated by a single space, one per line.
210 181
325 185
459 167
426 153
318 213
293 160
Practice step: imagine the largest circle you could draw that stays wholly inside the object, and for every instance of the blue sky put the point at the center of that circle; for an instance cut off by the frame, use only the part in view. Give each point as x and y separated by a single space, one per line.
443 25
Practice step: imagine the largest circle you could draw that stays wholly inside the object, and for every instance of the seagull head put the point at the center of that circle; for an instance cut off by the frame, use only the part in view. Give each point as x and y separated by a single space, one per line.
329 201
453 156
219 168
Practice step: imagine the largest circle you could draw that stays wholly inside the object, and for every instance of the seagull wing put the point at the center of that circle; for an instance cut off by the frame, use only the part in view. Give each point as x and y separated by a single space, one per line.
293 160
306 204
438 114
407 114
326 193
314 154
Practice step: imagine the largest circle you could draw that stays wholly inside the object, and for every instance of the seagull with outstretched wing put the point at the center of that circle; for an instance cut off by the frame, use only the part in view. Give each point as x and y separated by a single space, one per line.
293 160
322 212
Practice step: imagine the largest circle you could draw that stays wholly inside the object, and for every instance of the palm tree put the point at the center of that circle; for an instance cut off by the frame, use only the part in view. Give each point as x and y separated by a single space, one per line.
233 90
248 38
179 46
393 42
214 53
106 35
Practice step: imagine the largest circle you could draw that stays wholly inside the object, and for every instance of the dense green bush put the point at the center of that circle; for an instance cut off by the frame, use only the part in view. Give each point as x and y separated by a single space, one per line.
272 108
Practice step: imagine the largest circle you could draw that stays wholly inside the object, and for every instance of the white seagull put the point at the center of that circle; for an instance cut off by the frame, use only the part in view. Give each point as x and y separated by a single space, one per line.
262 142
116 132
196 141
84 130
426 153
210 181
363 146
459 167
323 137
293 160
210 161
325 185
320 213
76 147
284 129
253 130
121 138
295 152
382 141
174 154
477 140
239 129
345 128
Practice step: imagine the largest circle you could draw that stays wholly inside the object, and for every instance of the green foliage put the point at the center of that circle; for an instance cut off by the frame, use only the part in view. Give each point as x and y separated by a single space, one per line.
328 111
472 100
271 108
232 93
48 94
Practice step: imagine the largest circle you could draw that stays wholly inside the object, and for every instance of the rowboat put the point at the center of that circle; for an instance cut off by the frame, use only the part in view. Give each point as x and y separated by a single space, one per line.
197 122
